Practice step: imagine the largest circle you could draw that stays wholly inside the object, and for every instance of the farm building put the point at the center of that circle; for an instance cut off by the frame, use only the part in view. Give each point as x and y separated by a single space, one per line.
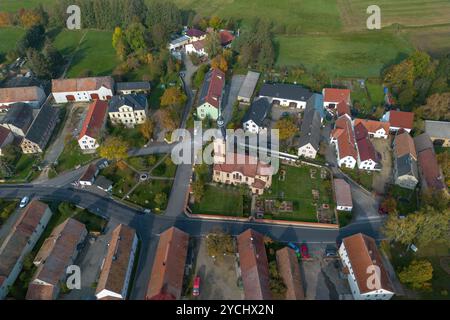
439 132
82 89
248 87
286 95
34 96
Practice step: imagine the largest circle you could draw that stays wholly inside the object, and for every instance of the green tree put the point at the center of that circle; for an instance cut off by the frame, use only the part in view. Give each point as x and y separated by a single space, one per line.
198 189
213 45
160 199
287 128
114 148
219 244
173 96
136 36
277 286
417 274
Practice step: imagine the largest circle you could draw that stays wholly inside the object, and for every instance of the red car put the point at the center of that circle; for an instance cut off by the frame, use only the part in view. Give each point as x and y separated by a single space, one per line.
196 288
304 251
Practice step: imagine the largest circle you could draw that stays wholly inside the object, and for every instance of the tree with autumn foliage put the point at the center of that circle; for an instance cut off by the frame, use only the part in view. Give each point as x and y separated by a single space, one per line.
219 62
147 128
167 119
114 148
417 274
6 19
287 128
173 96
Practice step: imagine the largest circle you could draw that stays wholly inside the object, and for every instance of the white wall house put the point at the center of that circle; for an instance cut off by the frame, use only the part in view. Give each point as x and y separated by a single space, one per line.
307 151
366 275
34 96
286 95
128 110
368 164
347 162
375 129
20 241
251 126
82 89
197 47
92 126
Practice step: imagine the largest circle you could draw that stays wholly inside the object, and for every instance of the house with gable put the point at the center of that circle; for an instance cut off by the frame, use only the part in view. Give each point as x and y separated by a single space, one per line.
88 139
211 95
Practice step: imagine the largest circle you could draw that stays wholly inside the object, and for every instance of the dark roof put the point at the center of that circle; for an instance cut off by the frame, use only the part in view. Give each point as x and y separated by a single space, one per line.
258 111
423 142
254 265
285 91
103 182
406 165
136 101
19 115
316 101
39 131
310 128
139 85
367 150
195 33
4 133
430 171
361 132
90 172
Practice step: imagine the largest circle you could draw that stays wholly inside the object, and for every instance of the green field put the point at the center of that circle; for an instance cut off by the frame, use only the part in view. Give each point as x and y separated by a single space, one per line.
9 37
348 55
220 200
15 5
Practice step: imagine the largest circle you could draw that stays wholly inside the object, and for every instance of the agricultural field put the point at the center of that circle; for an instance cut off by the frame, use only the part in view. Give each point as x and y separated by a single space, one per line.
15 5
9 37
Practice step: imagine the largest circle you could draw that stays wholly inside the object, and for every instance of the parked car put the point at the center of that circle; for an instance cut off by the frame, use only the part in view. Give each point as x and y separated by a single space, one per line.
196 288
293 246
304 250
330 252
24 202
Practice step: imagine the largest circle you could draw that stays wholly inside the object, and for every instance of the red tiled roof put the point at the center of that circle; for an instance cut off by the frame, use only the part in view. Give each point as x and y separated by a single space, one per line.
401 119
404 144
168 268
225 37
336 95
361 131
248 166
82 84
94 120
8 95
346 138
89 174
195 33
373 126
290 272
363 253
215 88
367 150
343 193
343 108
199 44
38 291
31 217
254 265
430 170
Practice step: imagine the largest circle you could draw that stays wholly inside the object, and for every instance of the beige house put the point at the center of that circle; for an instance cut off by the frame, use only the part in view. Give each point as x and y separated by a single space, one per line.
129 110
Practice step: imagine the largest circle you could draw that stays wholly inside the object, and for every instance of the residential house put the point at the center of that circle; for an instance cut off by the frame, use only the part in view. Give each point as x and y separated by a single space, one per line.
376 129
103 183
248 87
89 175
211 94
405 169
93 123
166 280
226 38
178 43
129 110
286 95
439 132
40 130
343 137
6 137
368 157
82 89
117 267
19 242
142 87
343 195
18 118
196 47
310 133
255 118
431 177
361 259
316 102
253 265
337 101
289 270
34 96
195 34
58 252
399 120
244 169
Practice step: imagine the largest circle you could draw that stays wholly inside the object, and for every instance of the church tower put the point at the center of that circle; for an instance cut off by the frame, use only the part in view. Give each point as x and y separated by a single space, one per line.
220 142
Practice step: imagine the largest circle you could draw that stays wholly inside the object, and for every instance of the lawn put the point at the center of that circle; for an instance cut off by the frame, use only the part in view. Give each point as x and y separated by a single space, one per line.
72 157
132 136
362 177
144 194
122 176
165 169
15 5
66 41
296 187
9 37
362 54
221 200
95 55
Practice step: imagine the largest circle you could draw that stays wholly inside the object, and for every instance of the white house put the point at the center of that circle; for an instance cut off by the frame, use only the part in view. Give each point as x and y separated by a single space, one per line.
365 270
254 119
375 129
368 157
88 177
118 265
343 137
286 95
332 97
399 120
178 43
82 89
34 96
129 110
211 93
343 195
310 133
197 47
93 125
19 242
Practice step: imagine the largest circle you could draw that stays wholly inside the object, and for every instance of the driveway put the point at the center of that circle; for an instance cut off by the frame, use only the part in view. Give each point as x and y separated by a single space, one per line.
231 93
384 177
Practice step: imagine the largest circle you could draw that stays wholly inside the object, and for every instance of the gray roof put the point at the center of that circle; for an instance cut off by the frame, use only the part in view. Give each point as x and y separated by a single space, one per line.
438 129
140 85
310 128
249 85
19 115
406 165
343 193
103 182
43 125
258 111
136 101
316 101
423 142
285 91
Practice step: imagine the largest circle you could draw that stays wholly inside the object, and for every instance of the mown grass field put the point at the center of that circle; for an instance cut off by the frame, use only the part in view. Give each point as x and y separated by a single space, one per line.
14 5
9 37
